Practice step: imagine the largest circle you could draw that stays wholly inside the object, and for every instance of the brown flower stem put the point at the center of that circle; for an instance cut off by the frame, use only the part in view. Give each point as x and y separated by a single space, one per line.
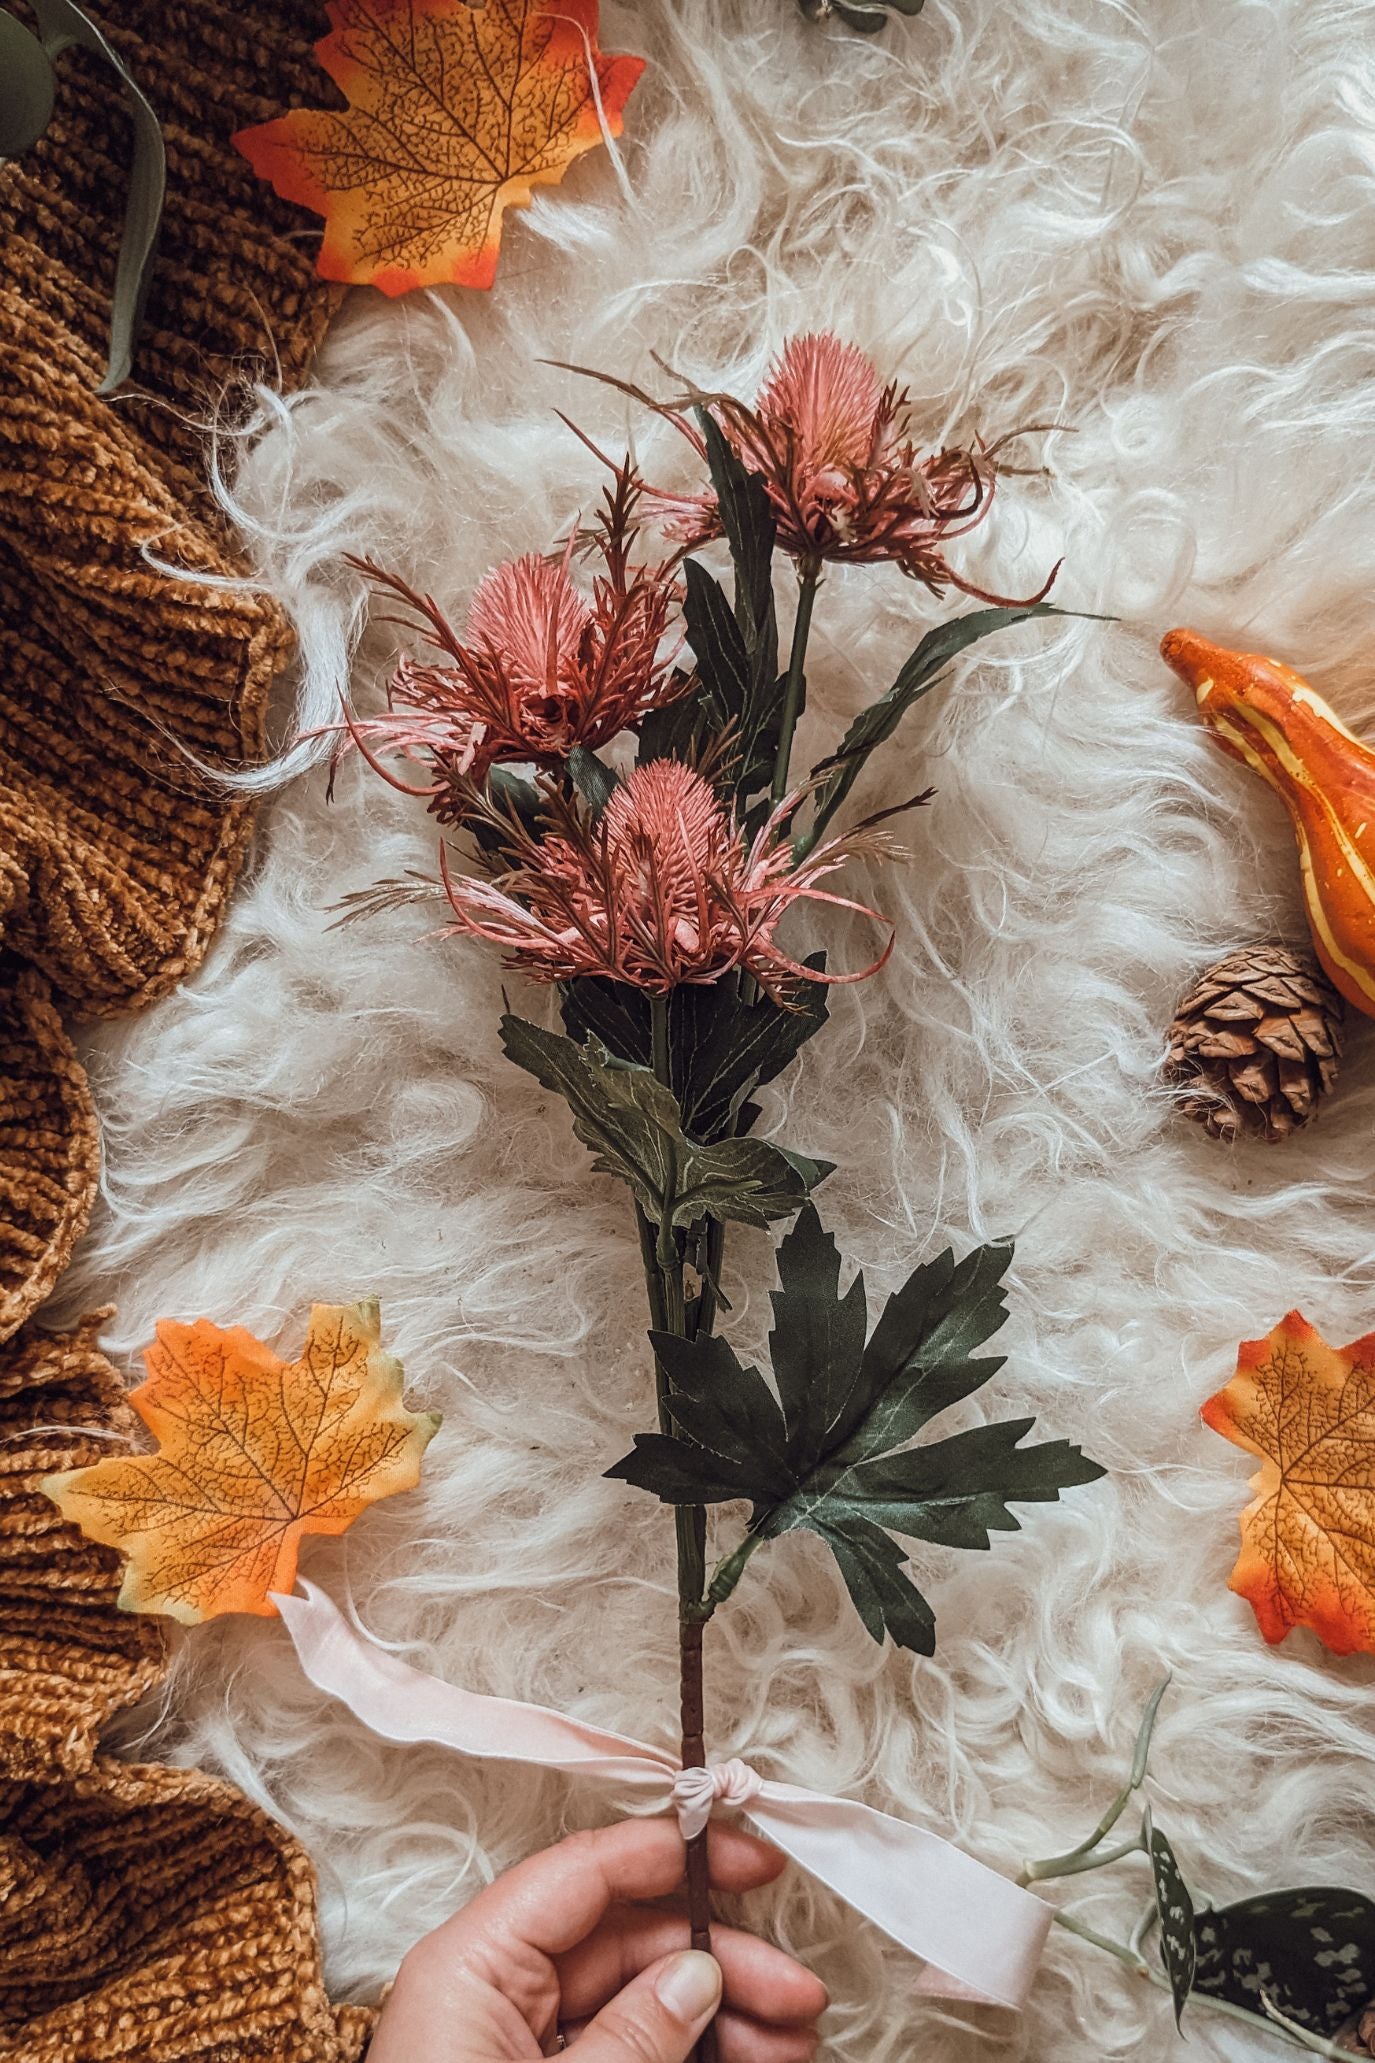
795 686
668 1308
690 1630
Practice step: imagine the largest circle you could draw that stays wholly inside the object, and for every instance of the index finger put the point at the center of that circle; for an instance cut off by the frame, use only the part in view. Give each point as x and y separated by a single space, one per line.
553 1900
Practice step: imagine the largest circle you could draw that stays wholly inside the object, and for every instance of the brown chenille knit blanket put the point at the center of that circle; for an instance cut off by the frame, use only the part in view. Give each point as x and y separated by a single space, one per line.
145 1912
115 854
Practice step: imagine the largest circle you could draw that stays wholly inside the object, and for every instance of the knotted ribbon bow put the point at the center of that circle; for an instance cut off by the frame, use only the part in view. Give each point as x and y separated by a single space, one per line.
978 1935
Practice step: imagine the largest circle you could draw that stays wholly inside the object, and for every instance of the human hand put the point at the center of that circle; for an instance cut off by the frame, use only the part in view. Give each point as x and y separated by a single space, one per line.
558 1948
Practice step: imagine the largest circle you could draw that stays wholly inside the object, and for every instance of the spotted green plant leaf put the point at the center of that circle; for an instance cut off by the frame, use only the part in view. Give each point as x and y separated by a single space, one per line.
1311 1952
63 26
827 1448
1175 1910
721 1048
633 1126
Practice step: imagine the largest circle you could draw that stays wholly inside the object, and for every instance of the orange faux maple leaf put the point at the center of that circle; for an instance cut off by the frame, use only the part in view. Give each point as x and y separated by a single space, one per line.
253 1452
455 113
1308 1538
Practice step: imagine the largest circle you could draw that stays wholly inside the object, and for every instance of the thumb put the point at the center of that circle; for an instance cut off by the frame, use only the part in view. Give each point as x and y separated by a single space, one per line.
657 2018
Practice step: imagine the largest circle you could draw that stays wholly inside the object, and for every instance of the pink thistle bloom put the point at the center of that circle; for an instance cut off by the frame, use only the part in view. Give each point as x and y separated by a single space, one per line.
843 477
539 669
661 889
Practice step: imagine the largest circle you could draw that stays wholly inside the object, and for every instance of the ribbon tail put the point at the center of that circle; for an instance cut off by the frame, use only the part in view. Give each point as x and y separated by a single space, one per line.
979 1935
404 1704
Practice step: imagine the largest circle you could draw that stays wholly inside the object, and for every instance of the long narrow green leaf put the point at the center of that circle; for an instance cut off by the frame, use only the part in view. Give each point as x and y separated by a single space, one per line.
63 25
747 519
918 675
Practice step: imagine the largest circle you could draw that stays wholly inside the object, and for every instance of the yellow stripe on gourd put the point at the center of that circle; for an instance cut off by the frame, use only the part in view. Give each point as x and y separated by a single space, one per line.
1359 975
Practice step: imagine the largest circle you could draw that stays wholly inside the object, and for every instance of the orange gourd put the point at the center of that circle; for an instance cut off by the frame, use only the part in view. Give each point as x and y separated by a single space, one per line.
1267 716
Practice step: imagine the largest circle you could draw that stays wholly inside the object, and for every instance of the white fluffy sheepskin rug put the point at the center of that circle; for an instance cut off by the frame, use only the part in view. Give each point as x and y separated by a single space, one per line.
1156 226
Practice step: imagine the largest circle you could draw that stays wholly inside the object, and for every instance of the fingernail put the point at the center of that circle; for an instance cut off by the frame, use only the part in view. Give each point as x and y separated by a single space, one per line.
689 1986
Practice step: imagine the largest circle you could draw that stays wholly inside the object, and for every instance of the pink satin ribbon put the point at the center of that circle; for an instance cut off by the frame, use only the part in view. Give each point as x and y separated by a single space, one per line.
978 1936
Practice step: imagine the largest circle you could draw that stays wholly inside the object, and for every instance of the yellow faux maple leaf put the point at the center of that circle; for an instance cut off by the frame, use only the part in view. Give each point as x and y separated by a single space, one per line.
455 113
1308 1537
253 1452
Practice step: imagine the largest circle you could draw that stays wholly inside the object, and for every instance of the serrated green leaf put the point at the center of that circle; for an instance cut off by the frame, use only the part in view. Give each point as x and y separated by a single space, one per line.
62 25
816 1347
721 1049
1175 1909
632 1125
1311 1951
826 1448
874 725
28 86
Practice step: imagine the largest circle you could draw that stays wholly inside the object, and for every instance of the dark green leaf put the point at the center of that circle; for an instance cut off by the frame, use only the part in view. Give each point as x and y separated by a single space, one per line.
595 782
816 1347
923 668
926 1334
721 1049
868 20
27 88
1311 1951
718 645
881 1591
618 1015
676 731
747 519
631 1123
513 795
737 686
868 16
61 25
1178 1950
826 1448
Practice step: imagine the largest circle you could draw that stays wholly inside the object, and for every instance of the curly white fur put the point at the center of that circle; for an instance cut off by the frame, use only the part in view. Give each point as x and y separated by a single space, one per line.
1158 227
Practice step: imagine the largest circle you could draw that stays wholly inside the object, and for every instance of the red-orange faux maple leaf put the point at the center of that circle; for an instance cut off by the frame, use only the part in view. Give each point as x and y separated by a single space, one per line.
1308 1538
455 113
253 1452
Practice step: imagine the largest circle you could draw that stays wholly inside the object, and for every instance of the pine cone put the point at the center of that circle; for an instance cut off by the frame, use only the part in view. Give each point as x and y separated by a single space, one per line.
1256 1043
